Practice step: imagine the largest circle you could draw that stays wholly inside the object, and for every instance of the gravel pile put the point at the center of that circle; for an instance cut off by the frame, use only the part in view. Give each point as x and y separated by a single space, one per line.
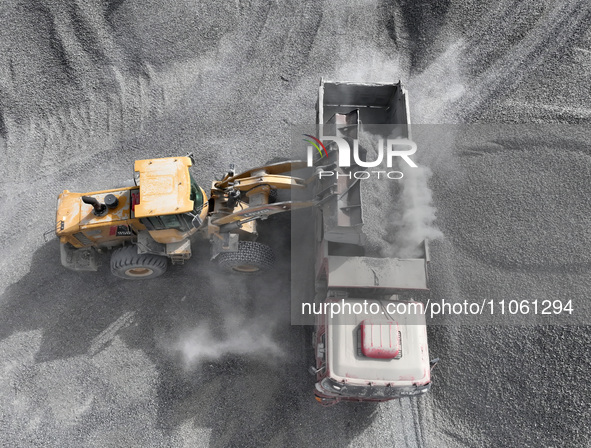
87 88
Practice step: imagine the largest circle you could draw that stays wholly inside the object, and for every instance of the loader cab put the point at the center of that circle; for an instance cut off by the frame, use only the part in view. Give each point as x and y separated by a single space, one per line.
182 221
169 198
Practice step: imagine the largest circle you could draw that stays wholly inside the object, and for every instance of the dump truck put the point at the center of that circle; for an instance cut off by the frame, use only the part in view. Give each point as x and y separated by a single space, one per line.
153 222
375 347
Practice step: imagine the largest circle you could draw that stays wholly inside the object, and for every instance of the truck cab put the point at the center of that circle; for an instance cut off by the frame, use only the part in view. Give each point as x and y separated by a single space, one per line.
365 357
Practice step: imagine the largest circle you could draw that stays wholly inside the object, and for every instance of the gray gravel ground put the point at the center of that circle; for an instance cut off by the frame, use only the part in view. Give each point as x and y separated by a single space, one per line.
88 87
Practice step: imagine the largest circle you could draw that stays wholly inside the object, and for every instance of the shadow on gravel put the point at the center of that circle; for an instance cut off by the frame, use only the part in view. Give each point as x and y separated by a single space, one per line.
235 400
72 308
260 399
422 22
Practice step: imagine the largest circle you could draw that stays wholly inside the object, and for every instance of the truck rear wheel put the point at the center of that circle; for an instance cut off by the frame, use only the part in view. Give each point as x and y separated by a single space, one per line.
250 258
128 264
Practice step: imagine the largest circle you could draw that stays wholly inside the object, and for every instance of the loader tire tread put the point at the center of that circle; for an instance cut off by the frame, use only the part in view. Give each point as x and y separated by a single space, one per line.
128 264
250 258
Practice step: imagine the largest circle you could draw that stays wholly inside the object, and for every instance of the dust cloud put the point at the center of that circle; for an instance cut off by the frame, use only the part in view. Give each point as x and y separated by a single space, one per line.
416 215
238 315
237 337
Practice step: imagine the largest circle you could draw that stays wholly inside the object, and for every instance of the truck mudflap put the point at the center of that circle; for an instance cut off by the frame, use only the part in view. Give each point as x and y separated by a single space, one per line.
85 259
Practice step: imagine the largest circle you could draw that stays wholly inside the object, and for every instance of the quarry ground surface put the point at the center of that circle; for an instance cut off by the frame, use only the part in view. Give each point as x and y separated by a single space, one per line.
200 359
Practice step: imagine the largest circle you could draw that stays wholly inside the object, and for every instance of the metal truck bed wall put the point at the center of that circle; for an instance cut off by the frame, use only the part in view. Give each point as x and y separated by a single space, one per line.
347 107
385 273
351 271
343 111
341 195
377 103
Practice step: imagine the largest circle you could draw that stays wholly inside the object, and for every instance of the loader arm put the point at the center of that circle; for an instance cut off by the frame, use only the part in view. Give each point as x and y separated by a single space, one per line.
262 211
256 185
265 175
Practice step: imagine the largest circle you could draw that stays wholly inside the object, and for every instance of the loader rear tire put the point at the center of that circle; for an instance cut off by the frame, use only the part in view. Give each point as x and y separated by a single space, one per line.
128 264
250 258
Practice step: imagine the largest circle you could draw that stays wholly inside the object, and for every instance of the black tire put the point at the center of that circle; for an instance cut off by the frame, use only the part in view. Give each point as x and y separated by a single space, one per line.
273 195
250 258
128 264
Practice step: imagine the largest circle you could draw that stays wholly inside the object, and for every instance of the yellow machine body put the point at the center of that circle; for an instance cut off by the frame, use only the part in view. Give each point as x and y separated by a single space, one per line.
163 197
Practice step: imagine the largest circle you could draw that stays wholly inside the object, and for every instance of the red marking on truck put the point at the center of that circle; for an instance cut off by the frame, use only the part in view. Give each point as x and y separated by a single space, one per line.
406 378
379 339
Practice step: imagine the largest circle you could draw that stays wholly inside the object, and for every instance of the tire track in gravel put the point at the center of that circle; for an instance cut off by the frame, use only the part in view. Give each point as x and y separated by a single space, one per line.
486 59
493 81
560 23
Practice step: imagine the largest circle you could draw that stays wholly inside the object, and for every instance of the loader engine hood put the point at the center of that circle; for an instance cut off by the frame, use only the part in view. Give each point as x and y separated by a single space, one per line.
68 213
73 214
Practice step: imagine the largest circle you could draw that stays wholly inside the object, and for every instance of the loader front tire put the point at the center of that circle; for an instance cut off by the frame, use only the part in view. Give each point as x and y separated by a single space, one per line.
128 264
273 195
250 258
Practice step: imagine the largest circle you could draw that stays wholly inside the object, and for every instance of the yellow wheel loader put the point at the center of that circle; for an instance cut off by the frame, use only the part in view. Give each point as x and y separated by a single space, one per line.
154 221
